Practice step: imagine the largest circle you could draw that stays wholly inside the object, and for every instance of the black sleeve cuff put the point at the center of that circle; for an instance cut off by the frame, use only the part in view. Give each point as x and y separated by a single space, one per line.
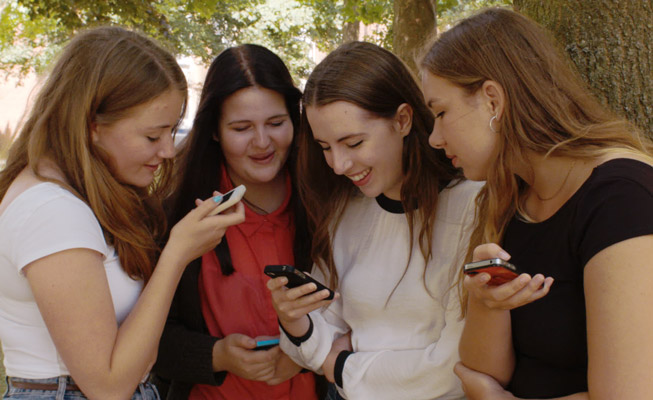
339 366
297 341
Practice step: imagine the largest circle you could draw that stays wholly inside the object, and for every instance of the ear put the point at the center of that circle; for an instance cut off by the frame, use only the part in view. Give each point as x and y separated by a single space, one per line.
95 135
494 97
216 135
403 119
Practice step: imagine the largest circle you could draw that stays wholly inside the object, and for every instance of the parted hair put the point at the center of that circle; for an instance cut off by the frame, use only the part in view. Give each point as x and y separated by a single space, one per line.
201 157
548 110
375 80
99 77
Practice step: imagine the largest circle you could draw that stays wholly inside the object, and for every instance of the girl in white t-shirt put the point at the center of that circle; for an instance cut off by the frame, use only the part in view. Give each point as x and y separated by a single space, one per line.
392 249
82 305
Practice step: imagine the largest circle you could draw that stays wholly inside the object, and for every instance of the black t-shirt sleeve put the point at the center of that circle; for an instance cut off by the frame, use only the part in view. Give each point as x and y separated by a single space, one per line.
613 211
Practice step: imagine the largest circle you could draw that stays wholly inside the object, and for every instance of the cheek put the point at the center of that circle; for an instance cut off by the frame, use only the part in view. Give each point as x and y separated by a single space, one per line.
283 139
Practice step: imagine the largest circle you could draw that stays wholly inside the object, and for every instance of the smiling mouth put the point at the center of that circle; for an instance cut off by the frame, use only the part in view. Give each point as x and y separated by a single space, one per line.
262 157
361 176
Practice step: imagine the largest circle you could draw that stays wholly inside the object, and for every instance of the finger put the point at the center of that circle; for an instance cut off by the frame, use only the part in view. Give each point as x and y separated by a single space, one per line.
307 292
243 341
489 250
277 283
509 289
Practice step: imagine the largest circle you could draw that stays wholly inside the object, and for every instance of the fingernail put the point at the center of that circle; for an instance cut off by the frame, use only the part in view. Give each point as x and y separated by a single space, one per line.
217 199
503 255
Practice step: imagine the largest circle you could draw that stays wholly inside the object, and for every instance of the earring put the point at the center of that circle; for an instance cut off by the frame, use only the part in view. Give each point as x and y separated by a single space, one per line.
494 118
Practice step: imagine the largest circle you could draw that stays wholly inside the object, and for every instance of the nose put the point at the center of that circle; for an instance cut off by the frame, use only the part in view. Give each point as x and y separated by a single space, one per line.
435 139
340 162
261 137
167 149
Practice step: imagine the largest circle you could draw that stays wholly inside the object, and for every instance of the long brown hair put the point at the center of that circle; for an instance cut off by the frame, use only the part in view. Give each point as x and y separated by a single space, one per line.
375 80
99 78
547 109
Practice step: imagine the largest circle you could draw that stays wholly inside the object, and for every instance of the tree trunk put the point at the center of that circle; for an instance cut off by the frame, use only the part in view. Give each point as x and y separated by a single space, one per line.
414 24
350 31
611 44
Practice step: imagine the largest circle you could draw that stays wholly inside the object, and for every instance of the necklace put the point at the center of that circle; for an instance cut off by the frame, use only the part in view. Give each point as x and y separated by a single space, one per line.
256 208
561 185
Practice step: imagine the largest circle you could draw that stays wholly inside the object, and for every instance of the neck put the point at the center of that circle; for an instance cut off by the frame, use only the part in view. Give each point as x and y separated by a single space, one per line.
265 197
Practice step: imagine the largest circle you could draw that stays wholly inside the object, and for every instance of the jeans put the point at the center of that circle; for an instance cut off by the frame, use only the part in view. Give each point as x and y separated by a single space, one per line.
145 391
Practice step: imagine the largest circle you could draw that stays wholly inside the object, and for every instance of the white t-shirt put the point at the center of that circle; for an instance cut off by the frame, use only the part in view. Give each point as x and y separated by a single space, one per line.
406 349
43 220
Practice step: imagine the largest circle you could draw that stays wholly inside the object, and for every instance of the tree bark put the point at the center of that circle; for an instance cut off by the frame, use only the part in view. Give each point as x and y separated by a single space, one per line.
611 44
414 23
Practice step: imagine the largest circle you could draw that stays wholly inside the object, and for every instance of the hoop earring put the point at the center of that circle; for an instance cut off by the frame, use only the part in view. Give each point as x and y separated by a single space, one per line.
494 118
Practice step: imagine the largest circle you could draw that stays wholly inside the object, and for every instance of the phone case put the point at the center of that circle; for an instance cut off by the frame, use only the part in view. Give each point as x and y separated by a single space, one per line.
295 277
266 344
500 271
229 199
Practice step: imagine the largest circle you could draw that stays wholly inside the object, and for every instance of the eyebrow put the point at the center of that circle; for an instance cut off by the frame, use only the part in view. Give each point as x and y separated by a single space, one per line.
342 139
267 119
429 103
162 126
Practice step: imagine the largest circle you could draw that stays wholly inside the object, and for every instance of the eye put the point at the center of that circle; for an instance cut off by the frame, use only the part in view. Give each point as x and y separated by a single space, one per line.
277 123
355 144
439 115
240 128
152 138
325 148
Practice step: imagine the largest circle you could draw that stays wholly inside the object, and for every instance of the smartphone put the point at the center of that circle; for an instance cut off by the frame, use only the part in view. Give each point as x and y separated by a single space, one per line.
229 199
266 344
501 271
295 277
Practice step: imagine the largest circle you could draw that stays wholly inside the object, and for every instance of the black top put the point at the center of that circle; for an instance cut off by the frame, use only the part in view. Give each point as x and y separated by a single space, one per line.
549 335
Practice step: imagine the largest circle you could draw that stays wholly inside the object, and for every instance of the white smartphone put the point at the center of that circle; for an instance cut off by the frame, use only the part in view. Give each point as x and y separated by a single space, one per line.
229 199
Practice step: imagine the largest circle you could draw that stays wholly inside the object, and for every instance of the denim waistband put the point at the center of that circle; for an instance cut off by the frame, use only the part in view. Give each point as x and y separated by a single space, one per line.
144 391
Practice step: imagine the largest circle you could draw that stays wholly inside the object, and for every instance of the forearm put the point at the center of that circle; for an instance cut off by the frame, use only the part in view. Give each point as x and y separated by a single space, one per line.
486 342
137 339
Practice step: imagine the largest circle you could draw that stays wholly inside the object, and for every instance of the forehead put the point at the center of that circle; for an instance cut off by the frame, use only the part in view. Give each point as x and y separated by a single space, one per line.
438 90
339 119
253 102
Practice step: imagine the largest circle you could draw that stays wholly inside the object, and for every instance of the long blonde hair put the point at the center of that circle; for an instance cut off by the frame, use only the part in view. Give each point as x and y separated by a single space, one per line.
99 77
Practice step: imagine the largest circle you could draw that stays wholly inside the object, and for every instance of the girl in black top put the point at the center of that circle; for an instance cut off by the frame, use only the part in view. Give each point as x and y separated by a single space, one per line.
568 197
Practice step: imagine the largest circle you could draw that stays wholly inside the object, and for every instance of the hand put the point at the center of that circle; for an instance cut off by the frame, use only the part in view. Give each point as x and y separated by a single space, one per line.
522 290
284 369
234 354
293 305
478 386
343 343
198 232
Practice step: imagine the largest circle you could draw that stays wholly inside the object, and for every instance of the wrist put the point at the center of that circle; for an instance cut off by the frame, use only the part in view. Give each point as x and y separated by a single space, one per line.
218 359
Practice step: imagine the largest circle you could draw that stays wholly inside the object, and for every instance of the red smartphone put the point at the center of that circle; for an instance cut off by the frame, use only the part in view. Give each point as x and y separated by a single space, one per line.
295 277
501 271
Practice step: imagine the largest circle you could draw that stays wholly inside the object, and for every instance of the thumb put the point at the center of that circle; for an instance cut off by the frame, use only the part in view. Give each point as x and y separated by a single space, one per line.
245 341
460 370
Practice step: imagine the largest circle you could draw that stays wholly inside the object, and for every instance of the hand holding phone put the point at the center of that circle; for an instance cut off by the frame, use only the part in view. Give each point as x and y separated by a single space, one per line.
500 271
295 277
229 199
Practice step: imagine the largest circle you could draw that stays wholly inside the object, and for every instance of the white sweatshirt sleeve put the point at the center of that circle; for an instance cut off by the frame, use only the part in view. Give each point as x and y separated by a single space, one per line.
409 374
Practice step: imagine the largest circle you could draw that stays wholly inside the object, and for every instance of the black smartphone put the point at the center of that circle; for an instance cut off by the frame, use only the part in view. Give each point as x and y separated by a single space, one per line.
501 271
229 199
295 277
266 344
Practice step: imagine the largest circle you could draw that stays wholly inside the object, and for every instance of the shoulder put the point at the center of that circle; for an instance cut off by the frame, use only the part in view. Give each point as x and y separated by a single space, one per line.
47 218
458 199
622 176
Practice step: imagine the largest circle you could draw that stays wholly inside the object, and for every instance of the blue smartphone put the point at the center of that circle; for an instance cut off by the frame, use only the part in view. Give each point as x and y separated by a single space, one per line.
266 344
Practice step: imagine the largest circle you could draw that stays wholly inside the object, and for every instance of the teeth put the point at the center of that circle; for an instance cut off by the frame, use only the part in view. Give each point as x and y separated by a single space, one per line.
360 176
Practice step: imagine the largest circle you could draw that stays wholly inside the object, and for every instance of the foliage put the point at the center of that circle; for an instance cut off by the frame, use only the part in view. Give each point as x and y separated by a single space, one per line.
33 31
